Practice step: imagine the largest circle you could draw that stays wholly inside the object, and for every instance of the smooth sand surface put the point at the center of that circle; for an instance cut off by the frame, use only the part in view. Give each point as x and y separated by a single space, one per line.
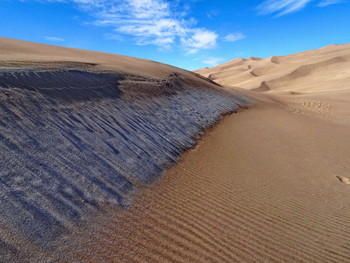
16 53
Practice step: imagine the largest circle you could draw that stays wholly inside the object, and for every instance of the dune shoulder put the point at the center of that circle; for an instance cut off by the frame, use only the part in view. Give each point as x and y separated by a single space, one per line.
81 130
319 70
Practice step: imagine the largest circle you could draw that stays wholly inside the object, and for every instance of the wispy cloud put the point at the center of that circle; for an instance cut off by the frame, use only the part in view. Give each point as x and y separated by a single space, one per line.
159 22
54 39
232 37
329 2
284 7
212 61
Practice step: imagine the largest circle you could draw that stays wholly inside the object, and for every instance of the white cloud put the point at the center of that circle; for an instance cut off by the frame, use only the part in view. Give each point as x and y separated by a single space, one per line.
158 22
199 39
282 7
212 61
232 37
329 2
54 39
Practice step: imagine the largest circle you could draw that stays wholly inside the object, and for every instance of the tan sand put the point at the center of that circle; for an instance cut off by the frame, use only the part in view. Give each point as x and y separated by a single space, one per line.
16 53
264 185
317 70
75 135
269 184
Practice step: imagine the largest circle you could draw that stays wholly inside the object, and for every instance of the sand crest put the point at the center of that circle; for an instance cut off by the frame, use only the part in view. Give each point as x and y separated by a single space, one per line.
268 184
325 69
76 135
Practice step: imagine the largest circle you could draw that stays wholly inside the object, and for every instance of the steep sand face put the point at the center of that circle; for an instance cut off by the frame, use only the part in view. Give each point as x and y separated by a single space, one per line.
264 185
325 69
270 184
77 134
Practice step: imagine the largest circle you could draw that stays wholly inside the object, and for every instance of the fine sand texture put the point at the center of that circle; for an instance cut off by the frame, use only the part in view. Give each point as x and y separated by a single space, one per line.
270 184
86 138
264 185
76 136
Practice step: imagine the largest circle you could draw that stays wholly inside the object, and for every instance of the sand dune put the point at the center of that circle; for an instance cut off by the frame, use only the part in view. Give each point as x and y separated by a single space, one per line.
15 52
77 135
293 156
325 69
262 186
86 136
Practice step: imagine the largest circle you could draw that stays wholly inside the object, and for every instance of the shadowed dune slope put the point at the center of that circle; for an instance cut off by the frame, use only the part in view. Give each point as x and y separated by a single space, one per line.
324 69
264 185
80 130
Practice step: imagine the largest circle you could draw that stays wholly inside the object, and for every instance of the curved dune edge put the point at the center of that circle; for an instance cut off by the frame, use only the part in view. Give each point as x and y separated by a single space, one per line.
80 130
301 72
267 185
272 195
74 140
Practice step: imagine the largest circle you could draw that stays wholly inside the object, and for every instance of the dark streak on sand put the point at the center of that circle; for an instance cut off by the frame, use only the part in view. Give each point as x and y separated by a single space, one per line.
71 140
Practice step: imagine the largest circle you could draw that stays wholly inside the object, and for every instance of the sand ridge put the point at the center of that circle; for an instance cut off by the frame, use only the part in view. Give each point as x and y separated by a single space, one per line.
76 136
325 69
18 53
269 184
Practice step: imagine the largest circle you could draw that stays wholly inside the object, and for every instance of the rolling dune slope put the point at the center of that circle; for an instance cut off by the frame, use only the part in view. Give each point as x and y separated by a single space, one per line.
293 168
324 69
81 129
264 185
85 138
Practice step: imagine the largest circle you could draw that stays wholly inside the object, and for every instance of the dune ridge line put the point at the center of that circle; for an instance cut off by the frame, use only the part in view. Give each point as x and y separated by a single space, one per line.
71 140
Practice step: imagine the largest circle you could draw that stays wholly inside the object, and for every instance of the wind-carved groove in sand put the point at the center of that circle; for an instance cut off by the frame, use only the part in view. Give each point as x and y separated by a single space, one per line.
71 140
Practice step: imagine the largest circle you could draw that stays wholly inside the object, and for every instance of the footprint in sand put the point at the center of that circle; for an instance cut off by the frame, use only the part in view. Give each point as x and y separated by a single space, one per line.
343 179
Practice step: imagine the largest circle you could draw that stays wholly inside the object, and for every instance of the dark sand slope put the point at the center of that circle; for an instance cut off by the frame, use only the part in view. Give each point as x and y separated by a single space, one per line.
262 186
255 189
77 137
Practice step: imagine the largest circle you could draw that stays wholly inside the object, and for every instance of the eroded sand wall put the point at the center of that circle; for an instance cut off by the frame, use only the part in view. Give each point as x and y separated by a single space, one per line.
71 140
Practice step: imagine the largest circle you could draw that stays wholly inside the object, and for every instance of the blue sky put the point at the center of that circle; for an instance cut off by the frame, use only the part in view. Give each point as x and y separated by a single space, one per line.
188 34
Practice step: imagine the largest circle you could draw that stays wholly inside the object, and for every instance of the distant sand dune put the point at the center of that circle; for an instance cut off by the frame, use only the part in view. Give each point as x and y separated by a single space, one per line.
85 138
304 72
